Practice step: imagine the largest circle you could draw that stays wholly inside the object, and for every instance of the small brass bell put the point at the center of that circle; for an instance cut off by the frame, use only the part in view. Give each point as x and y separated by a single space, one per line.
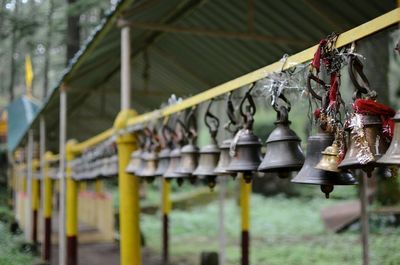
150 166
365 157
392 156
189 160
284 153
330 158
143 155
163 161
224 159
207 162
311 175
175 157
135 162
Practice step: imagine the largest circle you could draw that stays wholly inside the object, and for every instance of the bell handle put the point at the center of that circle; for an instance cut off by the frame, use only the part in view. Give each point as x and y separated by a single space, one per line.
315 78
356 67
284 99
167 134
230 109
249 110
283 114
191 127
211 121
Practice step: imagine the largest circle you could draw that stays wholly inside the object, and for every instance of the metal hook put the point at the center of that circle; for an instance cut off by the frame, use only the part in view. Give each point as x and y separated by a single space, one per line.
356 66
249 110
211 121
315 78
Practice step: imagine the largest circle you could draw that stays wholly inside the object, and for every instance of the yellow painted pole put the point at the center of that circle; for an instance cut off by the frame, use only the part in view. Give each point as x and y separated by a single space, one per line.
128 196
245 193
47 208
99 186
82 186
35 200
166 208
72 208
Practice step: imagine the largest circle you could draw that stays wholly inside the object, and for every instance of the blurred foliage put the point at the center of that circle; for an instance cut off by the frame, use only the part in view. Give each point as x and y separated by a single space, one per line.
283 231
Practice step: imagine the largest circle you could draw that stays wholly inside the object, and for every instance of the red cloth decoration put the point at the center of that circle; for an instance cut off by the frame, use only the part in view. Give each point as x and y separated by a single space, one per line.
316 62
334 86
317 113
371 107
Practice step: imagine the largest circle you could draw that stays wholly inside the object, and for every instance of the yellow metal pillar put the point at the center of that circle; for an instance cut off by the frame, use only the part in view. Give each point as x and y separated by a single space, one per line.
166 208
35 200
82 186
245 193
128 196
72 209
99 186
47 208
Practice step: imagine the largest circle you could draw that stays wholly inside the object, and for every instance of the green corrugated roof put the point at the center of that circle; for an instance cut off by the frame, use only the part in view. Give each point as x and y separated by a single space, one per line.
187 63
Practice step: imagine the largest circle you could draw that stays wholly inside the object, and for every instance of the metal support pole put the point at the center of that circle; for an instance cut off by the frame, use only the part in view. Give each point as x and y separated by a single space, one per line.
28 210
129 212
125 68
166 209
35 200
99 186
72 209
245 193
364 219
47 208
61 218
222 184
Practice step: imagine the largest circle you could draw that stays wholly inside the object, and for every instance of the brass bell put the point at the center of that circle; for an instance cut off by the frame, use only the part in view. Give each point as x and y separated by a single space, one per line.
224 159
149 166
135 162
365 157
392 155
311 175
189 160
175 157
330 158
163 161
207 162
284 153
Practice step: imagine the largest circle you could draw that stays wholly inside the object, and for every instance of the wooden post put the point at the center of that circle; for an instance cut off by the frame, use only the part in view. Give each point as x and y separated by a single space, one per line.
166 209
47 208
364 219
245 193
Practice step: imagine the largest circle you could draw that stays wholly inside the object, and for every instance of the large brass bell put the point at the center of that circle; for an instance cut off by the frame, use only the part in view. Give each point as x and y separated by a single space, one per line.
365 157
209 154
392 155
224 159
245 149
171 172
311 175
330 158
284 153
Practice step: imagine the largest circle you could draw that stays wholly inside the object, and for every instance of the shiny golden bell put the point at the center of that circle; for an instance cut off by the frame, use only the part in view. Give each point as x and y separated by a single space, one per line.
329 160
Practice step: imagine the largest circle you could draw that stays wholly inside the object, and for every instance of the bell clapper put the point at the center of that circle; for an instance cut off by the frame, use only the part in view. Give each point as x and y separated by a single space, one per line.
179 181
247 177
326 189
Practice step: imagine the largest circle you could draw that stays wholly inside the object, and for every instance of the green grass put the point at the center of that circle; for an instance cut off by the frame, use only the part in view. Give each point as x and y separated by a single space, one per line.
283 231
11 251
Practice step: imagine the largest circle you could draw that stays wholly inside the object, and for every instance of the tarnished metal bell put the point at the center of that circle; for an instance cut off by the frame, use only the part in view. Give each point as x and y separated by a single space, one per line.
329 159
163 161
189 160
175 157
245 153
311 175
224 159
149 167
376 145
208 160
392 156
284 153
135 163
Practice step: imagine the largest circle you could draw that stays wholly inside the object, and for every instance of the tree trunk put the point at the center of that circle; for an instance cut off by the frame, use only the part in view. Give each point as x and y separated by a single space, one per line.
48 47
73 33
13 49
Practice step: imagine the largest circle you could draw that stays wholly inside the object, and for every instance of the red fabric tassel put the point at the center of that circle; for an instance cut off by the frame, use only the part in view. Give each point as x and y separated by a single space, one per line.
316 62
371 107
333 90
317 113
